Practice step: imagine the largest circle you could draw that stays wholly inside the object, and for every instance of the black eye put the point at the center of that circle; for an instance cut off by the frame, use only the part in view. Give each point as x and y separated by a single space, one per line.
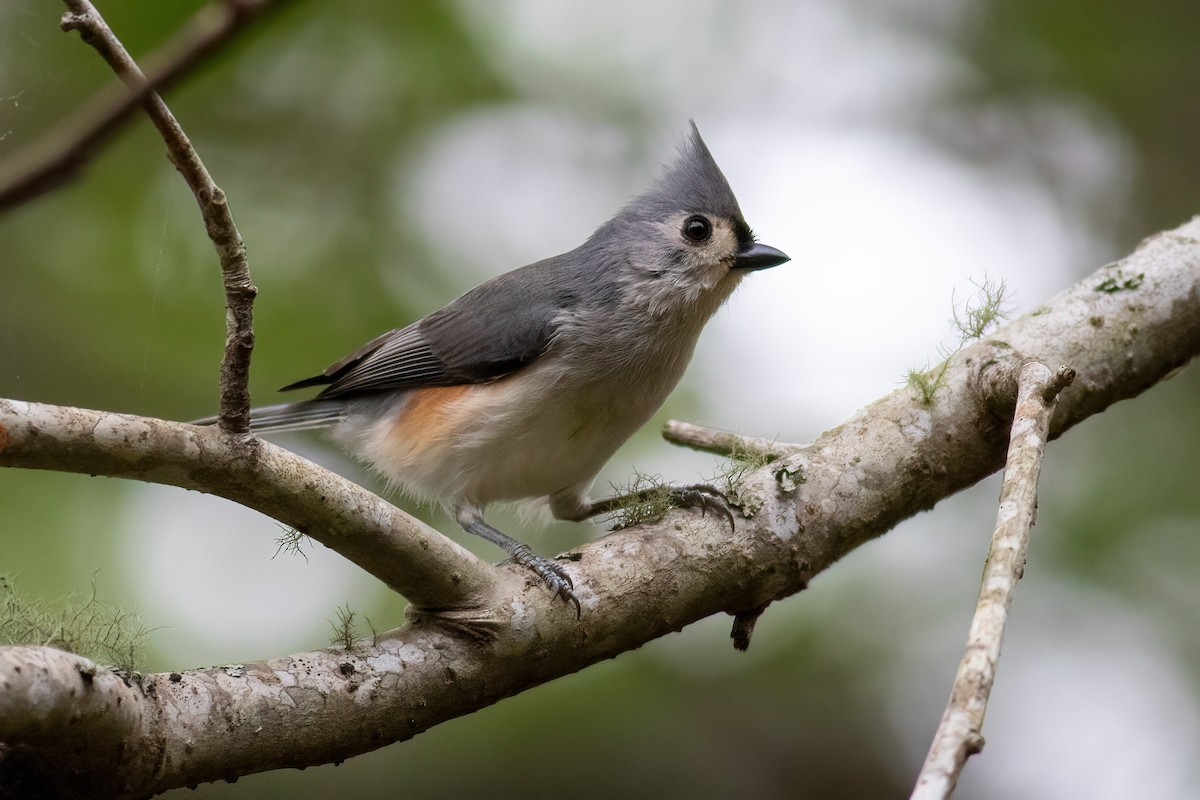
697 228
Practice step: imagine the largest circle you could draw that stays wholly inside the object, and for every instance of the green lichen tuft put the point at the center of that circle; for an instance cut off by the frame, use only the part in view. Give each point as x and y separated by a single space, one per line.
970 321
345 629
743 459
1120 283
644 499
926 382
981 311
84 626
291 541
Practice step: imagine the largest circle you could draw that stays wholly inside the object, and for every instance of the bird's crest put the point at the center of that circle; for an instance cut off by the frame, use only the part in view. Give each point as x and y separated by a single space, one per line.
692 182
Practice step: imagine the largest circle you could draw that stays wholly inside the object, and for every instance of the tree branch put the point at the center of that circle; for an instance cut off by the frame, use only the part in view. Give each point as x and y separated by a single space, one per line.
61 154
234 414
1123 328
960 734
415 560
722 443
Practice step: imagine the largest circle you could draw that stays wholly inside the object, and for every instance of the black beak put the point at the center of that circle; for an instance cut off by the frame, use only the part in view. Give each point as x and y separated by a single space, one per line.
753 255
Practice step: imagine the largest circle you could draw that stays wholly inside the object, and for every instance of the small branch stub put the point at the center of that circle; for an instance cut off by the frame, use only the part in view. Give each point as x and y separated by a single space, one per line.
1061 380
960 733
722 443
743 627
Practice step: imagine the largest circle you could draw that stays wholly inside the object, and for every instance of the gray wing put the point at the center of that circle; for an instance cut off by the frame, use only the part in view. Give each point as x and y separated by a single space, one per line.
491 331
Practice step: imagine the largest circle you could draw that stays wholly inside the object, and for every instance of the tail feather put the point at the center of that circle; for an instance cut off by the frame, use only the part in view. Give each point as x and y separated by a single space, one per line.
303 416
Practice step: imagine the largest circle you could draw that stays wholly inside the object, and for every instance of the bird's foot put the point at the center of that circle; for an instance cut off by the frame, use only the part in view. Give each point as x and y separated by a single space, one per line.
704 497
551 573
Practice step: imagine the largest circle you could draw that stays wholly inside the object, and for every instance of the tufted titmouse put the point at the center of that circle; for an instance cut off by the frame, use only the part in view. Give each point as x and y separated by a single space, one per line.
526 385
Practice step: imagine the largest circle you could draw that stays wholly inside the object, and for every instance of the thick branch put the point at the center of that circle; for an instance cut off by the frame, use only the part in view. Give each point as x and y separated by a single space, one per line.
1123 329
61 154
960 733
234 413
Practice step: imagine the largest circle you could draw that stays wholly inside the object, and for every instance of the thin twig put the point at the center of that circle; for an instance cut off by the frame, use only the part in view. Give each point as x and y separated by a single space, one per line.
234 412
723 443
960 733
60 155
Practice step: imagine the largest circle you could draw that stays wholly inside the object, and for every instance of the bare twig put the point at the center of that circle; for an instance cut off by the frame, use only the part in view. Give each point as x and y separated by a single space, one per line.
959 735
61 154
234 415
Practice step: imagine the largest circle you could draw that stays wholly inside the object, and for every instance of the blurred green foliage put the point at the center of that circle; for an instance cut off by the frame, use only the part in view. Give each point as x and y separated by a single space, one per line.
1139 69
110 299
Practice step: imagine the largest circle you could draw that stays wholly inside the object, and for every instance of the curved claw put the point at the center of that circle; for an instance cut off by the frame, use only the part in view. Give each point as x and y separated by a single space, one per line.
553 575
704 497
564 591
550 572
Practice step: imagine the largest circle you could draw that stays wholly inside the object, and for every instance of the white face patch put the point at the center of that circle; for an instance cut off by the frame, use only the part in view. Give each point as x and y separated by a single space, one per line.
677 275
719 247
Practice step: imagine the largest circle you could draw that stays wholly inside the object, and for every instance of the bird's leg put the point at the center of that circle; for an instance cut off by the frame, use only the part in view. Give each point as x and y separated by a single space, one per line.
700 495
549 571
